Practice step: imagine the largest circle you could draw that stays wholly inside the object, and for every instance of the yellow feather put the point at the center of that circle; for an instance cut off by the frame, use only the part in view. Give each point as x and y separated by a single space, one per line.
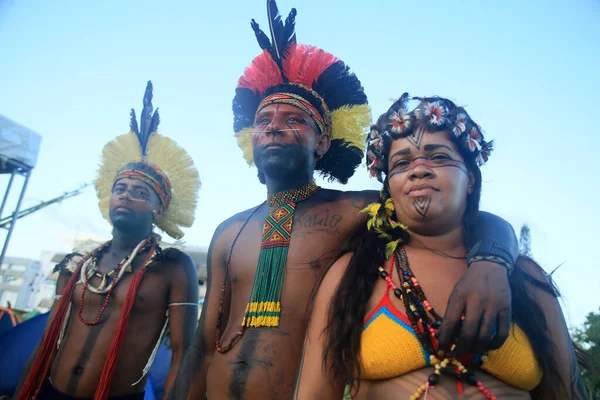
351 124
166 155
348 123
371 209
389 207
244 139
390 248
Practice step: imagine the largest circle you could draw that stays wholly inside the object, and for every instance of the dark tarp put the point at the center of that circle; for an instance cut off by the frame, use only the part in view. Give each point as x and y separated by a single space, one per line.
17 344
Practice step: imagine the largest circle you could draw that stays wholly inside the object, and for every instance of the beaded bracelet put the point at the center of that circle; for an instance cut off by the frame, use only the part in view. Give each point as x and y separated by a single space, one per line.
492 252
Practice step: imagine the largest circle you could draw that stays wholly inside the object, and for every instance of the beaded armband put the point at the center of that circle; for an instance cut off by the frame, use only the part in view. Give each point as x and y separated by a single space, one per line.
492 251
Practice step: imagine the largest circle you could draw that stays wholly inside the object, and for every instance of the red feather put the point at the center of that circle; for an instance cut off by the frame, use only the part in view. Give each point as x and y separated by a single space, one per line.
304 64
262 74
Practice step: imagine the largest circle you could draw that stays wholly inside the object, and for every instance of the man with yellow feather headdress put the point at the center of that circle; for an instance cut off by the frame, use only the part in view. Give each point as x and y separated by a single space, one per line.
115 304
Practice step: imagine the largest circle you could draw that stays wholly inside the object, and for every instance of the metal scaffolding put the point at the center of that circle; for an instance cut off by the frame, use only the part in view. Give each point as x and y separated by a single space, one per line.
14 168
19 148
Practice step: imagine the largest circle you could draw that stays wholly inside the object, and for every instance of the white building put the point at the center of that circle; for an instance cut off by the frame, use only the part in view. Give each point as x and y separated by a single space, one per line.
19 280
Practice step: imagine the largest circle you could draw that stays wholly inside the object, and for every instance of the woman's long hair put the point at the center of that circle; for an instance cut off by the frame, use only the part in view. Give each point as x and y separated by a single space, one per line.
349 304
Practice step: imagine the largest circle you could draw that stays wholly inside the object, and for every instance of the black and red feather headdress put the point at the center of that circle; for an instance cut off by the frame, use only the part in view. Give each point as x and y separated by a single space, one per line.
286 70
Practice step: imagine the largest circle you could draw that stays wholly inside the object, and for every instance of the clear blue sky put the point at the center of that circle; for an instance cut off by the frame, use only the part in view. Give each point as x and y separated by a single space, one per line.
527 71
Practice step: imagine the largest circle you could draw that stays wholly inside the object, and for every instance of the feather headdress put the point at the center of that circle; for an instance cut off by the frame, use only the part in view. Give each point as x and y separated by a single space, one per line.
157 160
286 70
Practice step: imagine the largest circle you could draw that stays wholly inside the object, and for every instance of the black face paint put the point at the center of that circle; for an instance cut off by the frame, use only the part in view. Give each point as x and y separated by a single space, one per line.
416 137
422 205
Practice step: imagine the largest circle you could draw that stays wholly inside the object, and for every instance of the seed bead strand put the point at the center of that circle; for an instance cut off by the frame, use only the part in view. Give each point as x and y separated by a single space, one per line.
126 261
419 289
106 300
224 349
219 334
414 306
418 310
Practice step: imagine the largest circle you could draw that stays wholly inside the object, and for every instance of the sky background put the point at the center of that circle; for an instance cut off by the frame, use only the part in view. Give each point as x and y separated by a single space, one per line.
526 71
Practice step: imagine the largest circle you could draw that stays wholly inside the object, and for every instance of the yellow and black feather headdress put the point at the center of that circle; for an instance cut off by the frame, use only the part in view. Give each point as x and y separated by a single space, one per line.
316 81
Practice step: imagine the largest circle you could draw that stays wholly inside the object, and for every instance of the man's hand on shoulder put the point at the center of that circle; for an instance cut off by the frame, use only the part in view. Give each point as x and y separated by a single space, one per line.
483 297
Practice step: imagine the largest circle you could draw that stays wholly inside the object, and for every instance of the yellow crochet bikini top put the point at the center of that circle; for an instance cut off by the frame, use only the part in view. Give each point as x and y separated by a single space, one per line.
390 348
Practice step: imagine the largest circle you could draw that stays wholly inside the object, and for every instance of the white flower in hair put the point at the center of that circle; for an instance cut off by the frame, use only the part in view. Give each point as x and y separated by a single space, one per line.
436 113
460 125
375 139
372 158
399 120
474 140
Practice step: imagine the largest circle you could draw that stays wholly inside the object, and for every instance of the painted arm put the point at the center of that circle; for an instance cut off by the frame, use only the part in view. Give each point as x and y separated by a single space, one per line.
191 379
314 380
483 294
183 313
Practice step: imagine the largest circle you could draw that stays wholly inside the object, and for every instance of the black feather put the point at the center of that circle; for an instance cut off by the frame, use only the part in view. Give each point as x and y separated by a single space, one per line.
263 40
276 28
133 126
282 35
146 117
289 31
154 123
148 121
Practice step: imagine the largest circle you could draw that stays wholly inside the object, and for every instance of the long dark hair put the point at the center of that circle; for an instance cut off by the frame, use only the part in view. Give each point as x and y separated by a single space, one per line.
348 307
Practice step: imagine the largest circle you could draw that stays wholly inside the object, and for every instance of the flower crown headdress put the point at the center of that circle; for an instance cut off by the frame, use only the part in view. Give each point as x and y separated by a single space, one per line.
433 114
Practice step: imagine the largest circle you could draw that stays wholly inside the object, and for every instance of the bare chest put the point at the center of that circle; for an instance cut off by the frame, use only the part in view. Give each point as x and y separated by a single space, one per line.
151 295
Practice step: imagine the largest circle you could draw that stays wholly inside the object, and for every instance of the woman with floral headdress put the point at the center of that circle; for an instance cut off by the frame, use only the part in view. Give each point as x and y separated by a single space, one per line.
378 308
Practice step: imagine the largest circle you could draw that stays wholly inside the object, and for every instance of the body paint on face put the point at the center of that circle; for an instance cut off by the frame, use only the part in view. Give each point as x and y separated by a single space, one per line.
137 196
416 137
138 204
442 163
268 127
422 206
295 131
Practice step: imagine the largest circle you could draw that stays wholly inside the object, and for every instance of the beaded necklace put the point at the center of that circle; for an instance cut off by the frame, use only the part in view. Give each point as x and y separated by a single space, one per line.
264 306
420 313
119 272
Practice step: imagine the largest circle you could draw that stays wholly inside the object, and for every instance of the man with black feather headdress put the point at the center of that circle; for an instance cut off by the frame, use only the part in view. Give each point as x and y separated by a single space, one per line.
297 110
115 304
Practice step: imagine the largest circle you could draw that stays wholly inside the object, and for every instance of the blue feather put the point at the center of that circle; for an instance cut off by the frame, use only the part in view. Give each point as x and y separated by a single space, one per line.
148 121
